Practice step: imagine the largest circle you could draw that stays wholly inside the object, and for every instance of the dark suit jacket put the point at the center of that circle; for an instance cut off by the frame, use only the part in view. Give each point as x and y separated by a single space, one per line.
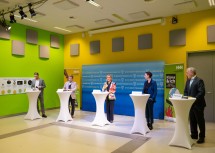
196 90
152 90
41 84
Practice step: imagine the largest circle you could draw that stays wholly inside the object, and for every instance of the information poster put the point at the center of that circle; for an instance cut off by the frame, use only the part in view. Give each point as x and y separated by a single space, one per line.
128 77
174 83
14 85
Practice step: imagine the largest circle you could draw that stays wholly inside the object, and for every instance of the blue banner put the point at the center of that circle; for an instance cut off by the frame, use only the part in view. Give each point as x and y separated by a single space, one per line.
128 77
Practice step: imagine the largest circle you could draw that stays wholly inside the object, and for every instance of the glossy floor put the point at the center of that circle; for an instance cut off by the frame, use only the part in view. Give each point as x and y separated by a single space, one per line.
79 136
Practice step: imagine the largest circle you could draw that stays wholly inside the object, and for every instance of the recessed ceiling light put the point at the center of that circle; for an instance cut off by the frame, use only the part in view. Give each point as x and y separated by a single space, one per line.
62 29
93 3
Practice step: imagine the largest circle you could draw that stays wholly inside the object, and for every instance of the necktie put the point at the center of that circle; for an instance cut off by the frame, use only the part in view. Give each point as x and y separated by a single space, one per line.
191 81
70 86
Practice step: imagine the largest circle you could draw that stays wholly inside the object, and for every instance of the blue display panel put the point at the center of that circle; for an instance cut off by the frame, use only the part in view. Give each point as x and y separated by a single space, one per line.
128 77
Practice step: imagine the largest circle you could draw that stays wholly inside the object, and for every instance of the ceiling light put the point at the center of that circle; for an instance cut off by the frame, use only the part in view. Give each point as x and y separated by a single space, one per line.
93 3
26 18
22 13
31 10
211 2
4 24
12 18
62 29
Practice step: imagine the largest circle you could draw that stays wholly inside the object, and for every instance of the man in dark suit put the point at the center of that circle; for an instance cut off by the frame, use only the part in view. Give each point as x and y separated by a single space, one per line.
39 84
150 87
195 88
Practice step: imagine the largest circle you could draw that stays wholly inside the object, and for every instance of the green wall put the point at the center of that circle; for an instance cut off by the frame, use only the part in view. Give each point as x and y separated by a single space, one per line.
51 70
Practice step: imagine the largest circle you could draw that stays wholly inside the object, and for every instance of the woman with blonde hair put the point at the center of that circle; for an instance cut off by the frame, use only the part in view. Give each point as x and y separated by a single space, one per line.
110 86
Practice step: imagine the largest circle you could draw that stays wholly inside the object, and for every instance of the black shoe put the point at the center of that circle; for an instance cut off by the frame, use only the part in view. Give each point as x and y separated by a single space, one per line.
201 140
194 137
111 121
150 126
44 115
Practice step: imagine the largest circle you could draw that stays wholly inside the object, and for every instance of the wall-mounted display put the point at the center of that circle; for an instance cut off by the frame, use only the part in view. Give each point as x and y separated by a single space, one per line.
14 85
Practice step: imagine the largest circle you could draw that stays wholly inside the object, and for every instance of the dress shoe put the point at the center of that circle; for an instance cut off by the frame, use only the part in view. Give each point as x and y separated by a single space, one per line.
44 115
111 121
201 140
194 137
150 126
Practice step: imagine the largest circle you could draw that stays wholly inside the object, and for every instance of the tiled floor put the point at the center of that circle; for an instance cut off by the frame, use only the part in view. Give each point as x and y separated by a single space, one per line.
78 136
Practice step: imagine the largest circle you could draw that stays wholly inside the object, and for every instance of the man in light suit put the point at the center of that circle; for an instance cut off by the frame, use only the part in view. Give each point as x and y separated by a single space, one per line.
70 85
195 88
39 84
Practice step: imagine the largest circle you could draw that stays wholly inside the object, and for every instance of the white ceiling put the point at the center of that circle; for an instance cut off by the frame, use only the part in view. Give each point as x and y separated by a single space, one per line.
86 17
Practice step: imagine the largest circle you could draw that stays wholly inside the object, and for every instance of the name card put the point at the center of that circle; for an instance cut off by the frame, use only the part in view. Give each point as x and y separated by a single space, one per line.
136 93
177 96
97 91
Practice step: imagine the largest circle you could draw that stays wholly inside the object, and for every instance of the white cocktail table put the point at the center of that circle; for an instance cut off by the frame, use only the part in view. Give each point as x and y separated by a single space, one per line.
181 135
140 124
64 114
32 110
100 118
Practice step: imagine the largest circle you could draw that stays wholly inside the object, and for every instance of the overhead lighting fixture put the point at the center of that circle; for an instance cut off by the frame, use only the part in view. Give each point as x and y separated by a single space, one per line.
93 3
12 17
126 26
26 18
4 24
22 13
211 2
31 10
62 29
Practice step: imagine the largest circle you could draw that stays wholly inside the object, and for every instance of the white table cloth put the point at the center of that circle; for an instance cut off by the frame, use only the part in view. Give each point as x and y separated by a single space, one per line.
140 124
100 118
32 110
181 135
64 114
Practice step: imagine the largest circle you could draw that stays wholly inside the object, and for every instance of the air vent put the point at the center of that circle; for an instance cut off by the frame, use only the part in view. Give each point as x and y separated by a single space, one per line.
74 27
65 4
185 5
139 15
104 22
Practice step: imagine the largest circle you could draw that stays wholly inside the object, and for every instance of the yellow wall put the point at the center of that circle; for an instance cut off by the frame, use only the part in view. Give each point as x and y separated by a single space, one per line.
196 40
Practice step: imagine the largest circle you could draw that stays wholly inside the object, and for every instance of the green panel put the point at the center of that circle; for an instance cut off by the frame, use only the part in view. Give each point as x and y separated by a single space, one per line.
51 70
178 70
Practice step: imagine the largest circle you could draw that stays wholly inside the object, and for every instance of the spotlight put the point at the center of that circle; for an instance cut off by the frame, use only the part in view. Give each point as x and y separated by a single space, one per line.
31 10
23 15
12 18
174 20
4 24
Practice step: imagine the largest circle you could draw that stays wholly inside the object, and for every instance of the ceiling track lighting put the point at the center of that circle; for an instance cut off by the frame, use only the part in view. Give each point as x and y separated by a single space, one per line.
21 12
31 10
12 17
4 24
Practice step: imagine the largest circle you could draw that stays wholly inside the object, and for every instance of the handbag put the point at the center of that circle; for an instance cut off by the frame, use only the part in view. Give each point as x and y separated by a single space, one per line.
111 96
